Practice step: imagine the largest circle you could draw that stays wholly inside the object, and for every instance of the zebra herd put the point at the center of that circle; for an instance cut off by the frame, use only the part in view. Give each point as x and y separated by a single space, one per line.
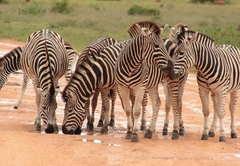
133 69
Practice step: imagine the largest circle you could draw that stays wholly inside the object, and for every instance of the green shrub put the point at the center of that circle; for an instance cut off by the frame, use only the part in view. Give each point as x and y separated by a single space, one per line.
3 1
138 10
62 7
201 1
33 9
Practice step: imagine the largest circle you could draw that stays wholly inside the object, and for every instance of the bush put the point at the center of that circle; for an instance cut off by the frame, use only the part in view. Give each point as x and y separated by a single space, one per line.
62 7
3 1
138 10
201 1
33 10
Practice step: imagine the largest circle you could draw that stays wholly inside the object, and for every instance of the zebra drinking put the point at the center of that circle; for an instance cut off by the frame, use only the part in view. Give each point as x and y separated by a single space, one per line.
92 74
45 61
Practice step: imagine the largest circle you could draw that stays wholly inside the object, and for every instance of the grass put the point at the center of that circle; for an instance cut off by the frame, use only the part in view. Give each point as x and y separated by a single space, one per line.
84 21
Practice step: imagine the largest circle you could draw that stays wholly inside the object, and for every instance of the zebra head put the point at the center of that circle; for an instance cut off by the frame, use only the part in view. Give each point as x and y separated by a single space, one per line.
186 57
48 106
73 119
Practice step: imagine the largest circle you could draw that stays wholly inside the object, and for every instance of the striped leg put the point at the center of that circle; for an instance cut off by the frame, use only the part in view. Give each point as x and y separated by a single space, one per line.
156 102
139 94
113 95
37 121
124 94
232 108
144 106
24 87
106 106
167 109
213 125
204 96
220 106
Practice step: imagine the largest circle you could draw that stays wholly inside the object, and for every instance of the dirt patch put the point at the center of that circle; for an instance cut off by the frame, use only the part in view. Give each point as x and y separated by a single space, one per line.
21 145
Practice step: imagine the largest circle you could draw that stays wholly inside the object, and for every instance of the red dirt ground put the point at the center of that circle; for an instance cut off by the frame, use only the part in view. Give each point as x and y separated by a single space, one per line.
21 145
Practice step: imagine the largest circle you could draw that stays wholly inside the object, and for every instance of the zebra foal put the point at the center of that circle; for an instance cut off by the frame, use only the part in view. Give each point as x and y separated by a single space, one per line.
218 74
45 61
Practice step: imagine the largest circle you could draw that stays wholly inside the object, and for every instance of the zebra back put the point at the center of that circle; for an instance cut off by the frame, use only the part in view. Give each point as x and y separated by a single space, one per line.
94 48
9 63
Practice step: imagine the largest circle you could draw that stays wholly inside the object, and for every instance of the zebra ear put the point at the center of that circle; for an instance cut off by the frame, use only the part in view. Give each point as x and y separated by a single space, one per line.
194 38
71 96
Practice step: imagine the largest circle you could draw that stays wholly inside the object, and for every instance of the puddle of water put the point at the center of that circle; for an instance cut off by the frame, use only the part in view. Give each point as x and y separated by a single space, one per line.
97 141
237 155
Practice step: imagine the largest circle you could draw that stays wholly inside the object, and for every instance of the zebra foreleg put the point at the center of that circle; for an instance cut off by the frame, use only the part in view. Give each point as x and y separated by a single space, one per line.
204 96
144 106
156 102
232 108
113 95
105 103
213 125
167 109
24 87
139 94
124 94
37 121
86 108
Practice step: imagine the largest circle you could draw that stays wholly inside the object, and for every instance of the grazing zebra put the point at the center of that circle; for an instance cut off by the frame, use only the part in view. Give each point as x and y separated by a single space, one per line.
138 67
218 74
93 50
45 61
10 63
93 73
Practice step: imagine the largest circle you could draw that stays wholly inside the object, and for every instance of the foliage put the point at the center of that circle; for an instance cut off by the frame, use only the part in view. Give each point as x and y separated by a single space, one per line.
33 9
62 7
201 1
135 9
3 1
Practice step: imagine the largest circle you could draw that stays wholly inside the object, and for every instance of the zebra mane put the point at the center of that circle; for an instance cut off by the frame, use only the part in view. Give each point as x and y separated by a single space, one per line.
200 37
178 28
151 26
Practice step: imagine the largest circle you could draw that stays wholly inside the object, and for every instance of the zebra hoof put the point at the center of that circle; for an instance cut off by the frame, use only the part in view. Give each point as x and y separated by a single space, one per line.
15 107
112 123
134 137
204 137
104 130
143 128
182 132
90 127
38 127
175 134
78 131
49 129
165 132
100 123
147 134
222 139
233 135
211 134
128 135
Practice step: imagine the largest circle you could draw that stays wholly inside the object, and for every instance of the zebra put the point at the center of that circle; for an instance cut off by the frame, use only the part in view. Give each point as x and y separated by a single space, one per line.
136 68
10 63
209 61
93 50
93 73
45 61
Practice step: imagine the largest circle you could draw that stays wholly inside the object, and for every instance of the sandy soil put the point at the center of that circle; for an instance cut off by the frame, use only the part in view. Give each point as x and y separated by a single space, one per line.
21 145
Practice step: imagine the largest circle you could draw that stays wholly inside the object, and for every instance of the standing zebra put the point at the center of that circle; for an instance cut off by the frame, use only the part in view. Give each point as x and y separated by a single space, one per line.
93 73
10 63
138 67
93 50
218 74
45 61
